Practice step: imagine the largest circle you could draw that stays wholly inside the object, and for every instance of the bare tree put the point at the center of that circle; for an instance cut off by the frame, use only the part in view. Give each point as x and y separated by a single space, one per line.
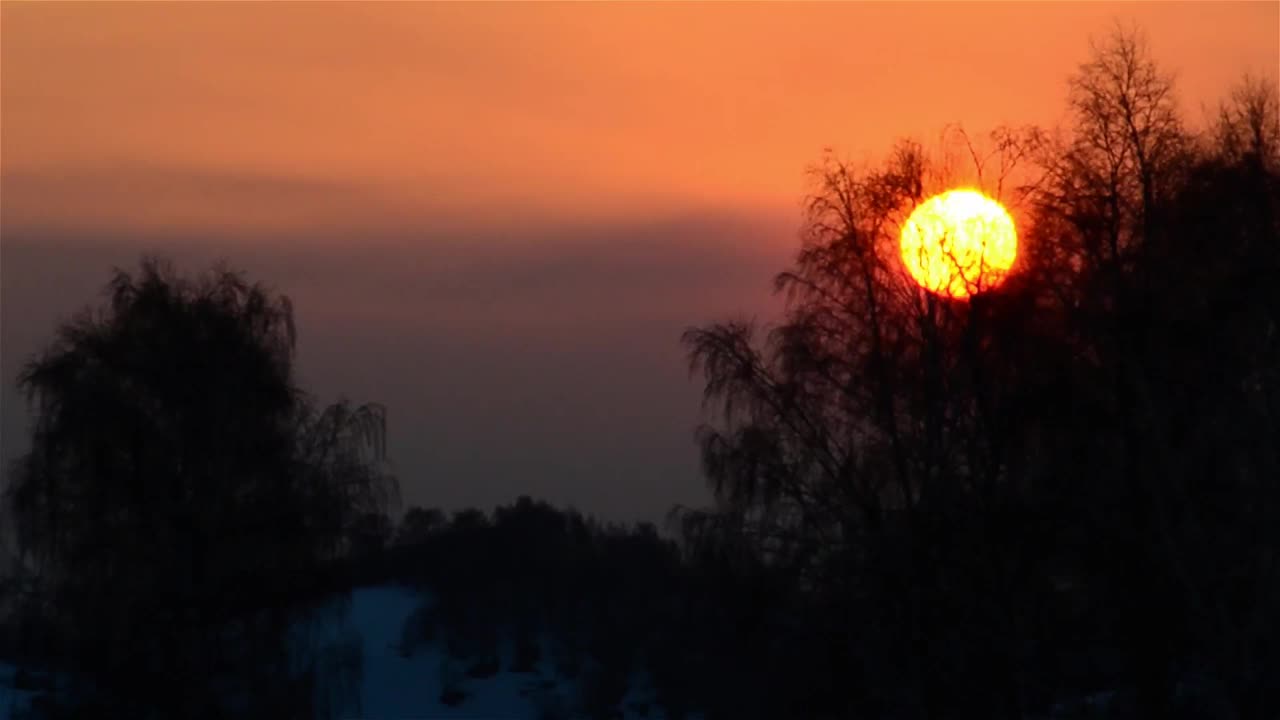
1052 441
179 490
1248 124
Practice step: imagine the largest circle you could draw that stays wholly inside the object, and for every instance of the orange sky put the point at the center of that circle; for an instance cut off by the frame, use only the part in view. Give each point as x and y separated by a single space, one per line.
498 219
155 116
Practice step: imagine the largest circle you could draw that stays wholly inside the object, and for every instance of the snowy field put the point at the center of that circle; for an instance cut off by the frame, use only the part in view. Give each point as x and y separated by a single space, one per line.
396 687
11 699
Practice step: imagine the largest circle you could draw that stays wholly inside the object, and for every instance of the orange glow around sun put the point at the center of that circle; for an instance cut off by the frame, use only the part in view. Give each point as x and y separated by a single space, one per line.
959 243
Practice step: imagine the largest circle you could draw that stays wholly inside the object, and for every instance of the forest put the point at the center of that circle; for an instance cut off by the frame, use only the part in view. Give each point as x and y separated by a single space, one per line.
1003 506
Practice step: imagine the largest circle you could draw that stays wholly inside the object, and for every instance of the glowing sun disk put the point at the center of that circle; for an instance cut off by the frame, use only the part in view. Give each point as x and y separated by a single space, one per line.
959 243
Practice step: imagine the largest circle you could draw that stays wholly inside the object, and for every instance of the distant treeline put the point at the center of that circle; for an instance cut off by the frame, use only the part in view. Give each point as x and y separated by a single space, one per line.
600 603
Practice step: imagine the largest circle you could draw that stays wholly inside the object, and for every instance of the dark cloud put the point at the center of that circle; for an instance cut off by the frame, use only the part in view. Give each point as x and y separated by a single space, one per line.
212 184
155 200
545 362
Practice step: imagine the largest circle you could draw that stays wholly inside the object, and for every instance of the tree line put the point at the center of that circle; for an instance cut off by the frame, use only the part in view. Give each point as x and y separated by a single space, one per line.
1068 484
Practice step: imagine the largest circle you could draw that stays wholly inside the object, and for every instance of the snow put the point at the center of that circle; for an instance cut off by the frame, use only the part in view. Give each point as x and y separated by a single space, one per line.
398 687
12 700
393 686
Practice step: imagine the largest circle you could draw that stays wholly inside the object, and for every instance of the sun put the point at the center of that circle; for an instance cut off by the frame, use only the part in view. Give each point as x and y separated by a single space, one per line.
959 243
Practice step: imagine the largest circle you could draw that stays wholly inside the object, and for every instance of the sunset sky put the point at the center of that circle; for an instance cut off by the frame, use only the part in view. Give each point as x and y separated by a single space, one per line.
496 219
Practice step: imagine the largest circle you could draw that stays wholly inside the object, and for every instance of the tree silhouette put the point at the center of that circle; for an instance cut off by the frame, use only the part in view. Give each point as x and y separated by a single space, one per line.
418 524
179 491
1165 311
980 500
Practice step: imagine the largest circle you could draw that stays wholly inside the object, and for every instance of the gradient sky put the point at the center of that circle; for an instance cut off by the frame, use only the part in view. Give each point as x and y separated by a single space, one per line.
496 219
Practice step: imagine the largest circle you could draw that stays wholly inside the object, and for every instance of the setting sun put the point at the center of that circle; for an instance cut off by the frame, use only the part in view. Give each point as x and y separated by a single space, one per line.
959 243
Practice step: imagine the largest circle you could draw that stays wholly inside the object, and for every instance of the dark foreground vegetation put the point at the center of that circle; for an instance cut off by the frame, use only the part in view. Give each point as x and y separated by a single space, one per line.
1068 485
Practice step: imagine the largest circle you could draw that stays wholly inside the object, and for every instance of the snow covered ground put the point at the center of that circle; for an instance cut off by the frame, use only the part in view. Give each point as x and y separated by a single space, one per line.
398 687
401 687
12 700
395 687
